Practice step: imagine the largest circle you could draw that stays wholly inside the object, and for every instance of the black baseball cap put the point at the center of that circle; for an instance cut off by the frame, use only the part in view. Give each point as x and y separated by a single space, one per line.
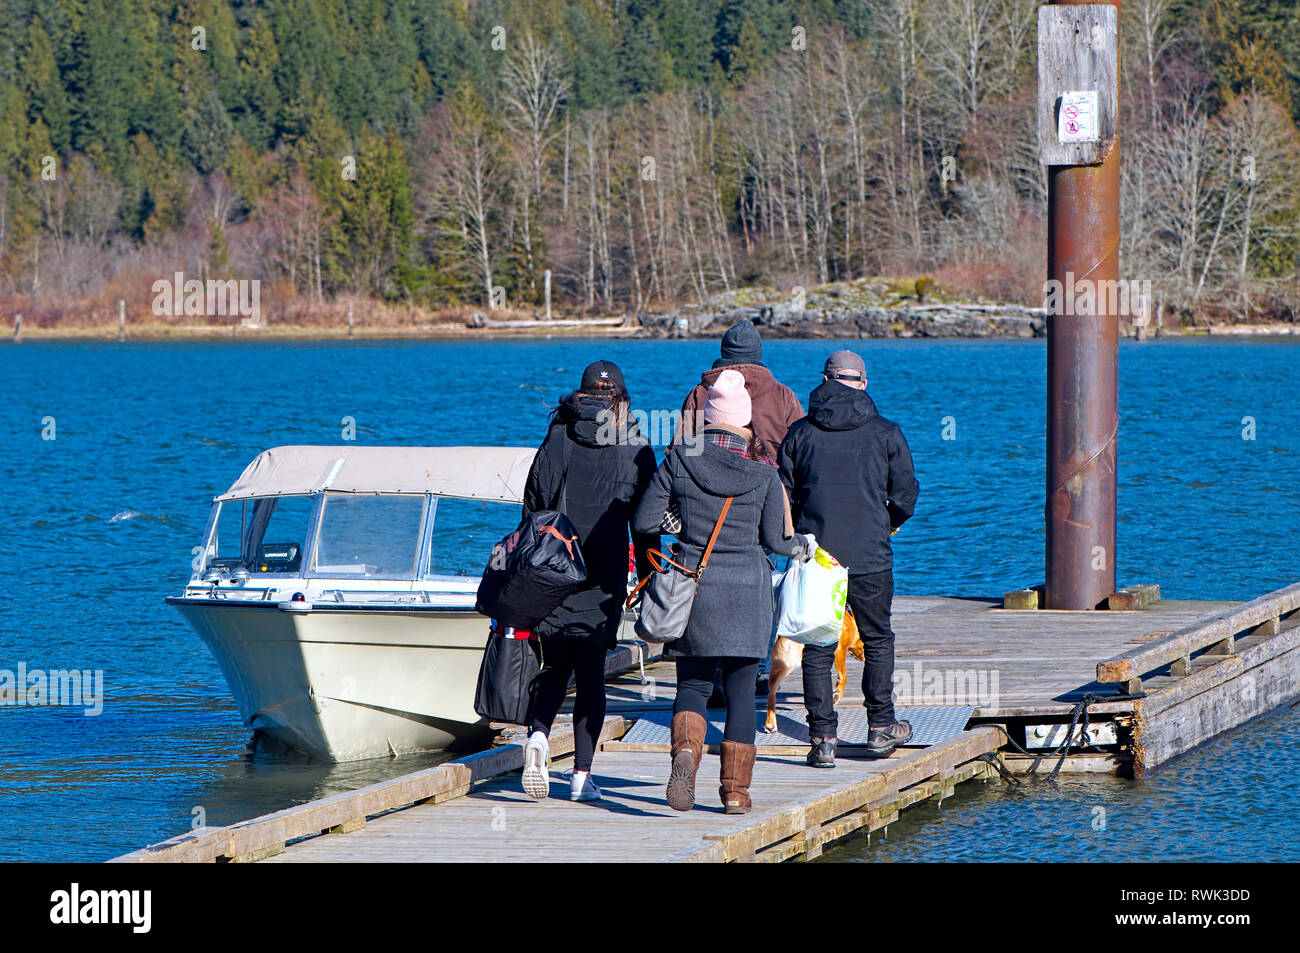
602 375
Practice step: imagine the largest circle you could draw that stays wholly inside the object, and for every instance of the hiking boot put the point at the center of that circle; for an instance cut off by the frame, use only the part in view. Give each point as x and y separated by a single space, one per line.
822 753
686 748
736 775
760 686
882 741
537 760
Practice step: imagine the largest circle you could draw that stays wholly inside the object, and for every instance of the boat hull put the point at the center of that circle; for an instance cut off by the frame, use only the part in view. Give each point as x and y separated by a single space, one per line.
349 683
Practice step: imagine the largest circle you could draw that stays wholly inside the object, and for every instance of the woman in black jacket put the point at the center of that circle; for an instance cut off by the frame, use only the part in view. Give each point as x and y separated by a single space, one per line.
731 616
594 467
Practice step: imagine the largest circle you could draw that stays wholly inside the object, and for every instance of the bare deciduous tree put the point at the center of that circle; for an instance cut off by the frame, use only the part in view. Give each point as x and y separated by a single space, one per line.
533 88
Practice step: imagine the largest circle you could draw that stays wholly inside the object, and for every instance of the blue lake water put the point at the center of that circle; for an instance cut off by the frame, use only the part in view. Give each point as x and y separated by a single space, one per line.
99 523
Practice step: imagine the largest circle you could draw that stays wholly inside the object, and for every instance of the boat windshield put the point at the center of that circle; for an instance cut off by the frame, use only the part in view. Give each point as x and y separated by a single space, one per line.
369 536
465 532
265 535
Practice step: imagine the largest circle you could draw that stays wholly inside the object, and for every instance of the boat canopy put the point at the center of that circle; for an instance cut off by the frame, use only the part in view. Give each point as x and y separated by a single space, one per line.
476 473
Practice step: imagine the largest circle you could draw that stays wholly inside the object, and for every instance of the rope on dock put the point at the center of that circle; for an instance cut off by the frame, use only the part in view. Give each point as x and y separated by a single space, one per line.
992 758
1078 718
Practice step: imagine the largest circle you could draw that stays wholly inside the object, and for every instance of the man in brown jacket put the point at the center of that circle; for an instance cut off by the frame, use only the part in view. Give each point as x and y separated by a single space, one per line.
775 406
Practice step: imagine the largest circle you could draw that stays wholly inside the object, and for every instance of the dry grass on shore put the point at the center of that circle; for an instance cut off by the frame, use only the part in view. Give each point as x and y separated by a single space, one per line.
296 317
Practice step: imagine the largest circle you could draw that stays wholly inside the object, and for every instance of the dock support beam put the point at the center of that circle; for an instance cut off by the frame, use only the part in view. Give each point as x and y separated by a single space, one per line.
1083 329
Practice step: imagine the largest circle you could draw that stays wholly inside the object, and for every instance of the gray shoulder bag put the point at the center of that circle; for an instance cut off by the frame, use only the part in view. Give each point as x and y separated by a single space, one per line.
666 595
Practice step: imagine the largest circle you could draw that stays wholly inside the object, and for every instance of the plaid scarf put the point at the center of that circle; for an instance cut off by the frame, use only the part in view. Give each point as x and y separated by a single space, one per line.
672 521
736 444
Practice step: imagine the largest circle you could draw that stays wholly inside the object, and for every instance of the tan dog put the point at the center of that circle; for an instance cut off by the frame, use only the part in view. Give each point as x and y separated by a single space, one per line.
786 655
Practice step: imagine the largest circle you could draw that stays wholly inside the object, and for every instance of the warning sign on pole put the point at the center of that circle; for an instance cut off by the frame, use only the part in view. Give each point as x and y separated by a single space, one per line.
1077 118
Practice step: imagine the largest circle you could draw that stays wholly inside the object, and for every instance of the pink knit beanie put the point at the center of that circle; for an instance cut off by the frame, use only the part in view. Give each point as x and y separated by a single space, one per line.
729 402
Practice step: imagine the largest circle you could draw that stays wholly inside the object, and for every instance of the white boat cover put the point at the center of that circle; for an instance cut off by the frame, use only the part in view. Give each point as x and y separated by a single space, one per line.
477 473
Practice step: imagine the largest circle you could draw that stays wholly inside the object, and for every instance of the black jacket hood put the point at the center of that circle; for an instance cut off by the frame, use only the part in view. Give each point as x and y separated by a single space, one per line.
836 406
724 472
590 422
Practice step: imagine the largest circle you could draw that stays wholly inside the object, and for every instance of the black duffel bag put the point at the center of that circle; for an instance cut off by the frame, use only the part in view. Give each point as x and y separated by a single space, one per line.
507 679
532 571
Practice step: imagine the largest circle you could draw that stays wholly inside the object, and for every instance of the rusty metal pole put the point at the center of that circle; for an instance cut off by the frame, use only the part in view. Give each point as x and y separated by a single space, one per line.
1082 383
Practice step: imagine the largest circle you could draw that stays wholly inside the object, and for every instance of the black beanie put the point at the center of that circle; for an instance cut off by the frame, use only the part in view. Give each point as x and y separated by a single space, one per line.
742 345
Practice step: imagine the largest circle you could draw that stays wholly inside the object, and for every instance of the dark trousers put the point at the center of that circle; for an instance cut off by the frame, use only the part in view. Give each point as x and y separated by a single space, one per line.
819 690
695 684
585 661
870 597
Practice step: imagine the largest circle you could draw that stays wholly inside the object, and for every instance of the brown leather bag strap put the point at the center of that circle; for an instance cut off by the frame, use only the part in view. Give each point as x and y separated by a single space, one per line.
661 562
717 528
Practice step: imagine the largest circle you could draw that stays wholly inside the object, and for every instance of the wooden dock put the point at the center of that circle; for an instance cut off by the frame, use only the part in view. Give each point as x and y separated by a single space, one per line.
1150 684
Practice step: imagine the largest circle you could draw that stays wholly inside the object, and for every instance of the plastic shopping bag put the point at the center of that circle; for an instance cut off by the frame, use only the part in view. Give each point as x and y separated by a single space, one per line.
810 604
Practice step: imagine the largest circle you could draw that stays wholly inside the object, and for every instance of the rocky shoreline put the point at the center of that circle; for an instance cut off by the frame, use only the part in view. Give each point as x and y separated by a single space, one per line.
865 308
783 320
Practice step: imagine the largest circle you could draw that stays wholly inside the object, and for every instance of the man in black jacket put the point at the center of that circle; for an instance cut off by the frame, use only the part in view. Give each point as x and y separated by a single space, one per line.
848 472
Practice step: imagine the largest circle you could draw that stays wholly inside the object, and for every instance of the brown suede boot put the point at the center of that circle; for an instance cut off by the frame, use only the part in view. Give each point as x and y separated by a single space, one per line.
737 773
687 748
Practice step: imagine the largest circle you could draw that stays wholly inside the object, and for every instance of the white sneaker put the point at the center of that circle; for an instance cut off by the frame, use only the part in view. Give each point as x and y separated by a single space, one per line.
537 762
582 788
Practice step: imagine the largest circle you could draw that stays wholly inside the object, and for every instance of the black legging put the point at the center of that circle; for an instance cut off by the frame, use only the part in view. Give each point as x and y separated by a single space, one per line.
695 684
585 660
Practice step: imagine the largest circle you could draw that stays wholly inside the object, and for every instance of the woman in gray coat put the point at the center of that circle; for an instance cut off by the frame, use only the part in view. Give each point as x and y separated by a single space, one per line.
731 617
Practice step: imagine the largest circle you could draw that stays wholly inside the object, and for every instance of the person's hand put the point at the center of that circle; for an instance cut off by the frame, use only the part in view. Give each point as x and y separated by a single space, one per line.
806 547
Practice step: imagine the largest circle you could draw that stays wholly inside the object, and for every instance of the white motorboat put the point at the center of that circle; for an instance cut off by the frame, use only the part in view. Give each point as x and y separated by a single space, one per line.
329 600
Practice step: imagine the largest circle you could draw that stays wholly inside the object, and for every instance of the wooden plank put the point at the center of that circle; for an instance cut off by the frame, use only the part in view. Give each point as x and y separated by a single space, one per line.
1191 639
903 773
1266 628
436 784
1020 599
1226 646
1133 598
628 655
351 808
809 843
1226 670
1227 702
630 827
1138 661
1074 764
699 852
